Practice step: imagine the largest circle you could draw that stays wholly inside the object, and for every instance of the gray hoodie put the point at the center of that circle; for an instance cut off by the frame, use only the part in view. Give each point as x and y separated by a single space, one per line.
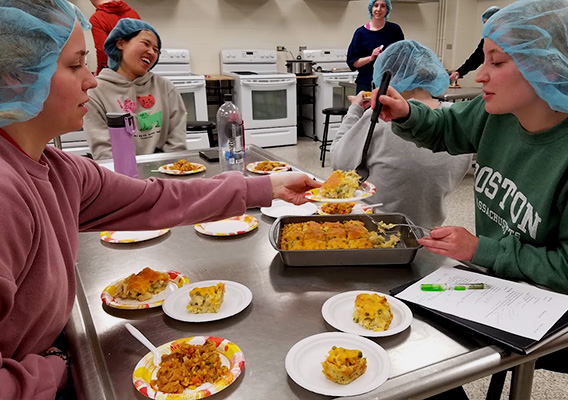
158 108
410 180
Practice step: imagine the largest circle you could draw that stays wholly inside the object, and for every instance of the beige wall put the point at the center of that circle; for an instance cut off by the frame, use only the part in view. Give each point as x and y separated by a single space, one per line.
207 26
463 32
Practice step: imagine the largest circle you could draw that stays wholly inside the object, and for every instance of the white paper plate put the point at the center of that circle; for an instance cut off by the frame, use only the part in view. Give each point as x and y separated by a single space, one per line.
131 236
303 364
237 298
228 227
367 189
338 312
280 208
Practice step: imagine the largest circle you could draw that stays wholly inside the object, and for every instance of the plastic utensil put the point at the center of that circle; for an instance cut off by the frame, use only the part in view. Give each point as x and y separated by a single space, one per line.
144 340
362 169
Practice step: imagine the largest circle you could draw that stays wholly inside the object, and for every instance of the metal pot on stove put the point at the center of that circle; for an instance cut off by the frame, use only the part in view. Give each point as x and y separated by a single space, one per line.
299 66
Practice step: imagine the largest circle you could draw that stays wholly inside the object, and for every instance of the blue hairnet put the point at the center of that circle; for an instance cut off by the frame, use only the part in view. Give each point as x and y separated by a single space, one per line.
125 27
387 2
32 35
488 13
535 34
413 66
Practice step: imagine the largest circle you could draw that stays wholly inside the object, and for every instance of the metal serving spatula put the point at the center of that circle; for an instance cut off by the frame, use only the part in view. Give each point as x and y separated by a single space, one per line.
362 170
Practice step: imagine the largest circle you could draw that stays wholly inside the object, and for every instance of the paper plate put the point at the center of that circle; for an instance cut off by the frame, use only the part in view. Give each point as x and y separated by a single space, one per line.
228 227
169 170
252 168
237 298
231 356
367 189
358 208
338 312
280 208
303 364
177 280
131 236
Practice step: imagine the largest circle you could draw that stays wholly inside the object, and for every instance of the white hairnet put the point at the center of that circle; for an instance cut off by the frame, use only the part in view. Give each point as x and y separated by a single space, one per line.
125 27
389 8
32 34
413 66
535 34
489 13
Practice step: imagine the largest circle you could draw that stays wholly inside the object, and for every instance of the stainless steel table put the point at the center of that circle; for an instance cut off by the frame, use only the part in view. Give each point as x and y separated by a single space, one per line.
460 93
426 358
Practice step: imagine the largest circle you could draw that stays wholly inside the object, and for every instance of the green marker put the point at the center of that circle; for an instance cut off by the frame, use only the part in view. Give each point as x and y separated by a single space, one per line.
440 287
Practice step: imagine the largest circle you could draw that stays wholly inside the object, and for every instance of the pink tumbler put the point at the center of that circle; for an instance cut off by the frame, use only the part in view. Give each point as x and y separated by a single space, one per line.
121 127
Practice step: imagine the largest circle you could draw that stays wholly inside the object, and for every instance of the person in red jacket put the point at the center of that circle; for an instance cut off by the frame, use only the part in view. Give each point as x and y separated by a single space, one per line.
108 13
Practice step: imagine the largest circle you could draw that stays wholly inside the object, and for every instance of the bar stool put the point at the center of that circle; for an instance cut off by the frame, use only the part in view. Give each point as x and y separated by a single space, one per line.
198 126
324 143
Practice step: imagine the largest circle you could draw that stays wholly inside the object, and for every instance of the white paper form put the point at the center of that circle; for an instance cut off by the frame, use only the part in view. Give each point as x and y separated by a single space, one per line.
510 306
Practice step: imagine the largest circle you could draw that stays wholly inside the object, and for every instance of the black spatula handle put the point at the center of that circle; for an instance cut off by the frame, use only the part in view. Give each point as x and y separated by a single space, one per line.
375 116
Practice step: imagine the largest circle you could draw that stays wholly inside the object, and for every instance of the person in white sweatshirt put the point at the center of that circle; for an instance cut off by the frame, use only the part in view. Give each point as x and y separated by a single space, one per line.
133 48
410 180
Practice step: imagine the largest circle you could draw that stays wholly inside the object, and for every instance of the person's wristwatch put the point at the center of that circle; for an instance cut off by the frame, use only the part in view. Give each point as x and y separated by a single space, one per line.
54 351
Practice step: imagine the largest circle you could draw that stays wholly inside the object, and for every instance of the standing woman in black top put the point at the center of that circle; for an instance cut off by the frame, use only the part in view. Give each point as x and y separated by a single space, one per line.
476 58
367 40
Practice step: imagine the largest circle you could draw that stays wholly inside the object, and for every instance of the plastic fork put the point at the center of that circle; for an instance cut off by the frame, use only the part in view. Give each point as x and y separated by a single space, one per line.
388 227
362 169
144 340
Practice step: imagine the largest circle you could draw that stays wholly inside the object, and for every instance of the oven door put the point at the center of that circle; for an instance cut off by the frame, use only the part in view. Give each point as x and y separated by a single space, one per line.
267 102
194 97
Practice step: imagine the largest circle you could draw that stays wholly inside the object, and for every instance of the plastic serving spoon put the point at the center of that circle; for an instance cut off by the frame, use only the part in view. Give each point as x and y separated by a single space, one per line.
144 340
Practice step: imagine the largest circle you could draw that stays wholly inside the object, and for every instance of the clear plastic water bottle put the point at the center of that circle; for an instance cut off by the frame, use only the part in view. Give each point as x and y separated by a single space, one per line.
121 127
231 136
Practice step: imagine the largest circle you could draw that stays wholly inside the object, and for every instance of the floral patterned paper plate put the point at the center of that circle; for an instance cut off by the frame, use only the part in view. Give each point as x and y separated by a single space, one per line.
228 227
358 208
252 168
169 169
231 356
367 189
177 280
131 236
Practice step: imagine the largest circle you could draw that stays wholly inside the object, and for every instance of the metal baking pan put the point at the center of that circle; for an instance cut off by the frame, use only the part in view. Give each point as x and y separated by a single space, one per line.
403 253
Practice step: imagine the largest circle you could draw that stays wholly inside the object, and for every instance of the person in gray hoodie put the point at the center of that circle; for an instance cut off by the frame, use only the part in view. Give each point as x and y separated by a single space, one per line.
410 180
128 85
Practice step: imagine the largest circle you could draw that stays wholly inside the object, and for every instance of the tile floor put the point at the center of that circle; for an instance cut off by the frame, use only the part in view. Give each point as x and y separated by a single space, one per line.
547 385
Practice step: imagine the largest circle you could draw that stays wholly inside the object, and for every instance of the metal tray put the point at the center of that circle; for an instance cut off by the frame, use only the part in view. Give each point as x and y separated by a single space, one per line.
403 253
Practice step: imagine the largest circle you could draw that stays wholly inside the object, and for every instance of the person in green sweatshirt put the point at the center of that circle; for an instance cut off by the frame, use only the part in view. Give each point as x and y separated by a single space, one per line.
519 130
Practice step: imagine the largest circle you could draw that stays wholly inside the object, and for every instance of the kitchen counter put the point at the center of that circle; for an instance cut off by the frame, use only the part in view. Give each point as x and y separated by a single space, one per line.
459 93
426 358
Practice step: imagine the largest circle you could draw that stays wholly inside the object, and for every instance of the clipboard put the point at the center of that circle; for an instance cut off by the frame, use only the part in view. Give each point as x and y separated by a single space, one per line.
516 343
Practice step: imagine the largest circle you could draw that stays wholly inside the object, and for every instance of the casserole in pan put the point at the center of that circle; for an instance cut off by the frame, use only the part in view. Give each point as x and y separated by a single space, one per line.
403 253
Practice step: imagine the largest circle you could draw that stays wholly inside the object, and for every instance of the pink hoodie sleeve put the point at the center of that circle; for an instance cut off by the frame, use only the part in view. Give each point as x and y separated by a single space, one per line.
35 377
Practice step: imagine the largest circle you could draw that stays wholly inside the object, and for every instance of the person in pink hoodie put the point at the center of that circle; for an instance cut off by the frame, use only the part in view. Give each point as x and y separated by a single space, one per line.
104 19
48 196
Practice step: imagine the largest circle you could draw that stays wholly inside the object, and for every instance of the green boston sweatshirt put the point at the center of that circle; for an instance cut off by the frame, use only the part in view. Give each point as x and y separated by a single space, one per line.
521 186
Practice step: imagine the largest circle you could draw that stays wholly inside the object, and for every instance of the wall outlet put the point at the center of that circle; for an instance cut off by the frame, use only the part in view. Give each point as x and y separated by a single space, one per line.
449 46
280 48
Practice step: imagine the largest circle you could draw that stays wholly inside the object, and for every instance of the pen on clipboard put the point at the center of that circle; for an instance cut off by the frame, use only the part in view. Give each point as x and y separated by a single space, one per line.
440 287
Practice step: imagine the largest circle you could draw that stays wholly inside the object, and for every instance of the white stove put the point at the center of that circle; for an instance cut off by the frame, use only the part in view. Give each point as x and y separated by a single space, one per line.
174 65
265 97
330 66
